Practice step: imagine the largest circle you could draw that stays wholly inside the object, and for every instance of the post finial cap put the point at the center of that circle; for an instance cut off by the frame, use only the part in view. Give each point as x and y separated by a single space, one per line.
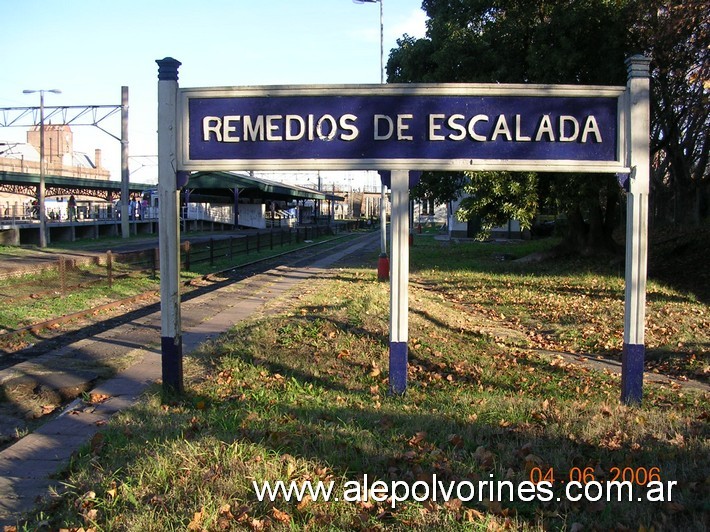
168 69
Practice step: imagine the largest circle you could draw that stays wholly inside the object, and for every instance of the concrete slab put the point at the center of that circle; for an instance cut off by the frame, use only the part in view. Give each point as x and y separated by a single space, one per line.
35 469
76 422
18 488
44 447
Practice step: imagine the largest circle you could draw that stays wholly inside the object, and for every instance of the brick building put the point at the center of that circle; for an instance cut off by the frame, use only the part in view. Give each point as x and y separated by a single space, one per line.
60 160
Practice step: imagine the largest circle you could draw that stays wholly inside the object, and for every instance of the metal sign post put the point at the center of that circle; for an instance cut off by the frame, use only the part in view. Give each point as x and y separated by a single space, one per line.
638 127
169 227
399 281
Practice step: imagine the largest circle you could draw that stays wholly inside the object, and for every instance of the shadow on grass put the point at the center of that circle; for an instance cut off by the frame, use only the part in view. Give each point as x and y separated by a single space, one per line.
447 437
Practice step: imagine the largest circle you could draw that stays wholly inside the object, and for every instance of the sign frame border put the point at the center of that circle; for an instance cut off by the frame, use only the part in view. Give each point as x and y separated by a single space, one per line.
414 89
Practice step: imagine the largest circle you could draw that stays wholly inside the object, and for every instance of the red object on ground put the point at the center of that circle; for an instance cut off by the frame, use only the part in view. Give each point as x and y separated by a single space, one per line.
383 268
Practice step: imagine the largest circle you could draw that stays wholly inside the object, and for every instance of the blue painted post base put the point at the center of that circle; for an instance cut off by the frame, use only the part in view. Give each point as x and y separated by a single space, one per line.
171 349
632 373
398 368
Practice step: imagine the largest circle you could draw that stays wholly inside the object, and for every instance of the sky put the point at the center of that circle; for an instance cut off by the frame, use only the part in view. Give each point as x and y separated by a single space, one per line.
89 49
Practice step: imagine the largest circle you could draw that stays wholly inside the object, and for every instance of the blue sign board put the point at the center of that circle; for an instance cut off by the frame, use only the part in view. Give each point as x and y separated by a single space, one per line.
397 127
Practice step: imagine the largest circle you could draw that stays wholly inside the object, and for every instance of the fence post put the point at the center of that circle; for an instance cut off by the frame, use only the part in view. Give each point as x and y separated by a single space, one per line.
211 251
187 256
109 267
156 255
63 274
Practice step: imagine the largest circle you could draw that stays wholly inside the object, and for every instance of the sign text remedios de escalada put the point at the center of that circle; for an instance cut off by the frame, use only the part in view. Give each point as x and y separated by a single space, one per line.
402 128
398 491
438 127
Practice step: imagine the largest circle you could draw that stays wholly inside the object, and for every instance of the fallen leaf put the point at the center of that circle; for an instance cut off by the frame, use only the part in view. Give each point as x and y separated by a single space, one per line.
301 506
196 523
417 438
283 517
96 398
456 441
257 525
48 409
471 515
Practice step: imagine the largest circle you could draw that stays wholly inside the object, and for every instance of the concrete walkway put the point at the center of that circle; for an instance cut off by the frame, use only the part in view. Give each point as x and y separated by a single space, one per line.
27 467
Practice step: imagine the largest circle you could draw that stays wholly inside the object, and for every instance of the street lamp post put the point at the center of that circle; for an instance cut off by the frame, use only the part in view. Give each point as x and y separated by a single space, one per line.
40 192
382 31
383 262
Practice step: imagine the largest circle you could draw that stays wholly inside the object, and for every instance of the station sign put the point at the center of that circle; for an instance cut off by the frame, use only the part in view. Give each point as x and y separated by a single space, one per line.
412 127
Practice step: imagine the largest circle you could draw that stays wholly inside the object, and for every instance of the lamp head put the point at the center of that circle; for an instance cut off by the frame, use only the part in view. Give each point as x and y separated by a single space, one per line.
32 91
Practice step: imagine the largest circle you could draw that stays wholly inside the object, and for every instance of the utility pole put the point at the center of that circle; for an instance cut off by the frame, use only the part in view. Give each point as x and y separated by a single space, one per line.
125 227
42 171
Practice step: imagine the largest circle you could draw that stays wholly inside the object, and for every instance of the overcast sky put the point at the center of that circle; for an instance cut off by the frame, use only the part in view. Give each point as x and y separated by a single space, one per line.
89 49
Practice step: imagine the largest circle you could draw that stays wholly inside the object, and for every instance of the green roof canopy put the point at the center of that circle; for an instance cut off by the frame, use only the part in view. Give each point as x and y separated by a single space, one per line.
223 184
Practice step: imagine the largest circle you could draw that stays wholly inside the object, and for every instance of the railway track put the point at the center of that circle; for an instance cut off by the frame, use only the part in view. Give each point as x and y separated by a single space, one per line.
33 340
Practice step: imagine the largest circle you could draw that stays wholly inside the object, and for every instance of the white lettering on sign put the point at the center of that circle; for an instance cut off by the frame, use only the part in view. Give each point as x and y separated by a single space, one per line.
516 129
389 124
591 128
439 128
402 127
278 128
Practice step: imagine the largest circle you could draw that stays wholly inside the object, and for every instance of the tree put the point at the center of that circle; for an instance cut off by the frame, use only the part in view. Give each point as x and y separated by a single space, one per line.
497 197
570 41
439 187
676 35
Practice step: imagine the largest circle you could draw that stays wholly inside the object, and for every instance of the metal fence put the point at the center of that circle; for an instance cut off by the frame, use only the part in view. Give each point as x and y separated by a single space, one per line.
49 278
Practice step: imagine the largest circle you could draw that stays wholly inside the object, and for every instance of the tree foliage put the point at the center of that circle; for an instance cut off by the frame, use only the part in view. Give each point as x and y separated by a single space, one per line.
676 35
497 197
439 187
581 42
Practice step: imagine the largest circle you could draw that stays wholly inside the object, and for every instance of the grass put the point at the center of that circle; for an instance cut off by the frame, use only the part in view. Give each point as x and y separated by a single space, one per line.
301 394
36 297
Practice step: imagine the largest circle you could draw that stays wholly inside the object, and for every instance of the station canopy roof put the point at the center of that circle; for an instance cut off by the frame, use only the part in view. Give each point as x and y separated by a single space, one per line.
25 183
220 186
